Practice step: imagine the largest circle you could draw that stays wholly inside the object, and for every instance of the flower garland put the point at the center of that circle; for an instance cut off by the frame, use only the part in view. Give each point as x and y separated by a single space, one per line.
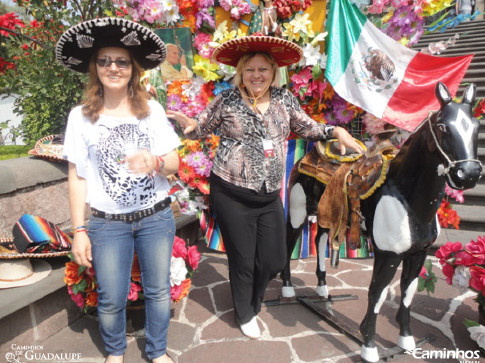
81 281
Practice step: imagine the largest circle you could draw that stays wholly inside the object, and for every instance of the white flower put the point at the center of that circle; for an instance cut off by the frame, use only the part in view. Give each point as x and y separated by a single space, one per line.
461 278
477 333
323 61
178 271
227 72
311 56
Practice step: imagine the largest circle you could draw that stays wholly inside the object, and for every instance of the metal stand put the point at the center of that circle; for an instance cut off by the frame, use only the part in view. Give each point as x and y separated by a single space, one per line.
322 307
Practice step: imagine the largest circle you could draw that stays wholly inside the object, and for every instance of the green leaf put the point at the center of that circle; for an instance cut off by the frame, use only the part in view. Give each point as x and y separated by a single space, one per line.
469 323
316 71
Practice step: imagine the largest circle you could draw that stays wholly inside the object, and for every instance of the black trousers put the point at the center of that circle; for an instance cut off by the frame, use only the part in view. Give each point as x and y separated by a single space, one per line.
253 230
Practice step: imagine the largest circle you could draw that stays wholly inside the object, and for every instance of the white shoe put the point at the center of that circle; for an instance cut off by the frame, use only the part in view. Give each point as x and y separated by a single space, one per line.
251 329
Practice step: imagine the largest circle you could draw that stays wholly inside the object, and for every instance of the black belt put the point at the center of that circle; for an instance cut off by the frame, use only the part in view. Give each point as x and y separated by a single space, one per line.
133 216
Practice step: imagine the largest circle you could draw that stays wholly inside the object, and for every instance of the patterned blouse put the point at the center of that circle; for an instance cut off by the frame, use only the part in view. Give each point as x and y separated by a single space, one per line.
240 158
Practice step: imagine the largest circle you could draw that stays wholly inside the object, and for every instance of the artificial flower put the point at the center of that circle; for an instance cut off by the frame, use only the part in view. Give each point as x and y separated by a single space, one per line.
184 262
464 267
477 333
300 26
447 216
311 56
479 110
205 68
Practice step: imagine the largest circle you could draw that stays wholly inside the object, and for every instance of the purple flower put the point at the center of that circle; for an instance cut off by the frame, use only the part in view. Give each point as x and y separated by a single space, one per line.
174 102
344 116
203 15
196 159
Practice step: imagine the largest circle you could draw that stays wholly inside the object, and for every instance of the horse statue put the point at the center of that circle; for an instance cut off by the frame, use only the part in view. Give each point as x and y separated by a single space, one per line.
398 207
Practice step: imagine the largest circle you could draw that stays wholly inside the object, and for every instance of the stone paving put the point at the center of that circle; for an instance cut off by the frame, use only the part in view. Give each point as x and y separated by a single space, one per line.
203 330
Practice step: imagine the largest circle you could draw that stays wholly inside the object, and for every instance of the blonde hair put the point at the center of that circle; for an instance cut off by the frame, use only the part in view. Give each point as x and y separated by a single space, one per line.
93 100
238 82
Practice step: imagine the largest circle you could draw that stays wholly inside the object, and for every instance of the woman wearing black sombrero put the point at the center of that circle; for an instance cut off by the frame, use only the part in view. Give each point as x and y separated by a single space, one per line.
120 147
254 119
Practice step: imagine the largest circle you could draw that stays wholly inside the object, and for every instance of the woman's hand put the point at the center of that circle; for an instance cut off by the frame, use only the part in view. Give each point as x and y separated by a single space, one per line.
188 124
141 162
81 249
346 140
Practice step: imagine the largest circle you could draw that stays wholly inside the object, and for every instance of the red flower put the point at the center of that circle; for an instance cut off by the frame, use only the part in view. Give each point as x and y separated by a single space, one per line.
179 249
183 289
480 109
134 290
445 252
10 21
477 280
424 273
77 298
448 271
477 249
175 291
466 259
194 257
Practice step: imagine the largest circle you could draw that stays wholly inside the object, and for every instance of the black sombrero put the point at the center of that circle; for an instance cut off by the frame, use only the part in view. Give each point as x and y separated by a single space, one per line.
76 46
283 51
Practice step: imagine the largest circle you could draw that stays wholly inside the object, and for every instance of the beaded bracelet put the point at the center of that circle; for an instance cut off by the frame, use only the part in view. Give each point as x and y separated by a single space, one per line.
74 229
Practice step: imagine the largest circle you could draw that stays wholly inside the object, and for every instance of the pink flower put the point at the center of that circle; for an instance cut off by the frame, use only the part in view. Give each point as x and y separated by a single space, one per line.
466 259
194 257
424 273
445 251
448 271
477 280
179 249
77 298
134 290
477 249
175 291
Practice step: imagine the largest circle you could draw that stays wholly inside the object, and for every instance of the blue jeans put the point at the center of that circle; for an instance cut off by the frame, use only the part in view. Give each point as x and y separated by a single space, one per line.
113 246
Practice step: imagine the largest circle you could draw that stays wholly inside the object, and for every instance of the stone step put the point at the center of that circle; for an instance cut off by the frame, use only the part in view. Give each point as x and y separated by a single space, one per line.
472 217
456 235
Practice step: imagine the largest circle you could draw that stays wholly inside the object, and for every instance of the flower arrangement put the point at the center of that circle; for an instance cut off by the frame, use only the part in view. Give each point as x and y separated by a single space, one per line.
195 164
286 8
464 267
81 281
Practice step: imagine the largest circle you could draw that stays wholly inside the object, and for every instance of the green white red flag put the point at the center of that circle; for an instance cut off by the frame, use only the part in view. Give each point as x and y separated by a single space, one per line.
380 75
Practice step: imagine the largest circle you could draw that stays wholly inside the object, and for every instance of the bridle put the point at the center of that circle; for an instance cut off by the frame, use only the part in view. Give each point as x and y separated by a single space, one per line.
442 170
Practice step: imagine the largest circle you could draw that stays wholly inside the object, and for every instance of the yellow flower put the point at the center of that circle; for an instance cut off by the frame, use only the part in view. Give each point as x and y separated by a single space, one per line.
388 16
205 68
404 41
299 26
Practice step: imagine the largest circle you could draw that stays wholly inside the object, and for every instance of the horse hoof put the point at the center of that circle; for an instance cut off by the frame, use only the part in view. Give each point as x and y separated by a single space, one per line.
369 354
322 290
288 291
406 343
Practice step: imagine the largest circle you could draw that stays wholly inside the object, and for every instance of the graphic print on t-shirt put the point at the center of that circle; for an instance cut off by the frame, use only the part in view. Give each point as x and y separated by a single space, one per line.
122 186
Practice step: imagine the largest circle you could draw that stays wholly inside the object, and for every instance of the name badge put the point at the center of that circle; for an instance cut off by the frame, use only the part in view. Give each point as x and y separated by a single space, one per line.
268 148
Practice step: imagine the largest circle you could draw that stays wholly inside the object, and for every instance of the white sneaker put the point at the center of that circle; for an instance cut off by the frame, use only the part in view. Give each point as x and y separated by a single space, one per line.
251 329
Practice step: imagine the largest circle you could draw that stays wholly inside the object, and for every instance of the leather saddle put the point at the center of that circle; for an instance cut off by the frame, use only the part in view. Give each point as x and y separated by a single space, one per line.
348 178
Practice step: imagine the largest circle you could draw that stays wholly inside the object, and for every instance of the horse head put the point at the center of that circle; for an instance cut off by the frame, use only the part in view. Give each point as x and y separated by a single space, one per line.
454 133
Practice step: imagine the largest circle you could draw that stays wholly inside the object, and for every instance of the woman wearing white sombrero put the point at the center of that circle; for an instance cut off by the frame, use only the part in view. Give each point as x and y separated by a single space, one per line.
120 147
254 119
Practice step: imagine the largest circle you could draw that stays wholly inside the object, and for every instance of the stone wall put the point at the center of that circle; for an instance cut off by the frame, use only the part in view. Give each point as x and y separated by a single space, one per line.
32 186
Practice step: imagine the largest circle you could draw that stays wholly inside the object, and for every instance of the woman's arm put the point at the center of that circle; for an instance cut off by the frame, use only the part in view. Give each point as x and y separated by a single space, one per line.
81 245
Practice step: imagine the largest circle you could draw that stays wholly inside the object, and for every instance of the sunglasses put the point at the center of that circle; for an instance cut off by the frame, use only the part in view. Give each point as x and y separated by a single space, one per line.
120 63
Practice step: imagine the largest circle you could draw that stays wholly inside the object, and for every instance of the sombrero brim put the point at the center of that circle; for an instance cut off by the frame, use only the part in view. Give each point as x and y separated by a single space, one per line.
77 45
283 51
16 255
45 148
41 269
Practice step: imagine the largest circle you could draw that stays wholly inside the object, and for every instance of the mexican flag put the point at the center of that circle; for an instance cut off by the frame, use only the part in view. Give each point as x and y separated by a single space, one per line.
373 71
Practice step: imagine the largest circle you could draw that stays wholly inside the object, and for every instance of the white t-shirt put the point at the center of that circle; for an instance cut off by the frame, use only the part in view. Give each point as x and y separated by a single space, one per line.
98 151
